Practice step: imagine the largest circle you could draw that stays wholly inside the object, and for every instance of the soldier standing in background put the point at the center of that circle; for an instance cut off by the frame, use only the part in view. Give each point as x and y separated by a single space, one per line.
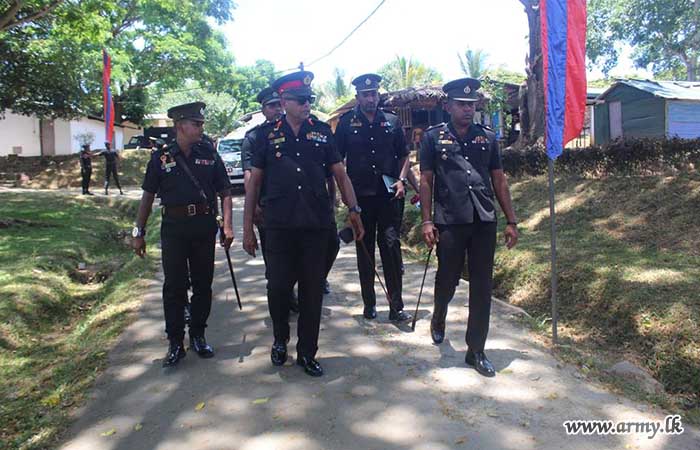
111 166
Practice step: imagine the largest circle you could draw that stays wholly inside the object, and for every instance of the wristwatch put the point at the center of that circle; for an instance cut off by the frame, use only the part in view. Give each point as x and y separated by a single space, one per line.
355 209
138 232
404 180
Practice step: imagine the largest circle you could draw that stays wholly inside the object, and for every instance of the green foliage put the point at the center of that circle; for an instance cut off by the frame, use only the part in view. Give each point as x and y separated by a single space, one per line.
222 108
334 93
663 34
53 67
405 72
247 81
621 157
57 322
474 62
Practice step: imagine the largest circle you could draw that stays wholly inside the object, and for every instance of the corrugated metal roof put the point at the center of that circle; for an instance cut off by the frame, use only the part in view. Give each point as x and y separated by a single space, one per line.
675 90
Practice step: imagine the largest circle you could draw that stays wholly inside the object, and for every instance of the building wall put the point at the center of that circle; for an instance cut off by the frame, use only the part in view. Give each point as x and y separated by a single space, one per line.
683 119
643 114
67 135
19 131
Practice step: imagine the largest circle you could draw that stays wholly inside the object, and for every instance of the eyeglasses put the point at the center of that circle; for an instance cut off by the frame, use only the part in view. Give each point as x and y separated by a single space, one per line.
301 100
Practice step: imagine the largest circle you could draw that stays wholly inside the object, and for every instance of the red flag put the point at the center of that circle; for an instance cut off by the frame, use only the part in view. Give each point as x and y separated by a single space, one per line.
107 102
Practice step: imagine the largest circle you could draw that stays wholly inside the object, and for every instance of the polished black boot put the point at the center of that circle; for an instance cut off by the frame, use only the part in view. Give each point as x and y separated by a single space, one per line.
370 312
399 316
278 355
310 365
200 346
176 351
437 323
480 362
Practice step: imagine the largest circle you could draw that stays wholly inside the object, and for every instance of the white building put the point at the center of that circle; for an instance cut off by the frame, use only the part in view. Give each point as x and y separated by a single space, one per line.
30 136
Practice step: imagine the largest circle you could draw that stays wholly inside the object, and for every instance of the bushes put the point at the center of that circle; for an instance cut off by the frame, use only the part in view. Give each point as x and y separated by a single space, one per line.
621 157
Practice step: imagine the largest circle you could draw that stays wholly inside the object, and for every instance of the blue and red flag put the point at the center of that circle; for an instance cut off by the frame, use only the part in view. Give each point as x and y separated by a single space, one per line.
563 24
107 102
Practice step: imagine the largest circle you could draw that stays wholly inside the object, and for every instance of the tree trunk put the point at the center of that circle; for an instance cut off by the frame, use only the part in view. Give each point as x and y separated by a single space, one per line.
532 109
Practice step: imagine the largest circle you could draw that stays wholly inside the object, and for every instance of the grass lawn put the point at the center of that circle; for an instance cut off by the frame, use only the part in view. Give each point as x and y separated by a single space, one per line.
57 322
67 173
629 267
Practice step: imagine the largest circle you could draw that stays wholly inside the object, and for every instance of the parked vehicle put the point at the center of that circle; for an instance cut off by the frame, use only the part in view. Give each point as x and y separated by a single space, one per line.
139 142
230 151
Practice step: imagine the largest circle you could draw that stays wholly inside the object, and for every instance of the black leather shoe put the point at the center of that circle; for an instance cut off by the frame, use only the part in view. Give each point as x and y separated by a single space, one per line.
176 351
480 362
370 312
278 355
399 316
437 331
326 287
200 346
310 365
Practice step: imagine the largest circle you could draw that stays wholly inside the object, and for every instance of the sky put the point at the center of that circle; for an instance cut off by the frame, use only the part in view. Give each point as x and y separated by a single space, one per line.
432 32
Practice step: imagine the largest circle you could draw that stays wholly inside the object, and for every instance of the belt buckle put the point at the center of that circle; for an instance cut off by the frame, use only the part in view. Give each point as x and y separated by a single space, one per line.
191 210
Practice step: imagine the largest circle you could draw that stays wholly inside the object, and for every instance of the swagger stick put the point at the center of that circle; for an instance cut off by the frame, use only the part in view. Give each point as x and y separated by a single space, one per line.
425 272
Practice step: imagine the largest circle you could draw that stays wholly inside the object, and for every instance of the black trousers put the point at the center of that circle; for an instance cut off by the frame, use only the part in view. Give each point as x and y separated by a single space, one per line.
331 254
478 242
111 169
188 242
296 255
380 219
86 174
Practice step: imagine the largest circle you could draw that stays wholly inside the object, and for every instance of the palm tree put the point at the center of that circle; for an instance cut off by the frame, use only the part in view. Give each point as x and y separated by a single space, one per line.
405 72
474 63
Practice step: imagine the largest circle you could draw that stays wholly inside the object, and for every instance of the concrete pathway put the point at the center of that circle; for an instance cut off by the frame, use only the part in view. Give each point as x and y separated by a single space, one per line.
384 388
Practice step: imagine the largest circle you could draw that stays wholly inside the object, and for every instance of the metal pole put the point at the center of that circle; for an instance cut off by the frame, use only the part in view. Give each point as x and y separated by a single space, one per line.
552 219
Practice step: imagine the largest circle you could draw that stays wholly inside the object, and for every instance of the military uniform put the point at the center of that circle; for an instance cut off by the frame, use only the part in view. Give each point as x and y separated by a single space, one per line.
370 151
111 168
188 229
465 216
86 169
298 217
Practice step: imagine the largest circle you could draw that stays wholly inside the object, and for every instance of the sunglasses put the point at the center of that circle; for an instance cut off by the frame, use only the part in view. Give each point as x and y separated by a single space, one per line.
302 100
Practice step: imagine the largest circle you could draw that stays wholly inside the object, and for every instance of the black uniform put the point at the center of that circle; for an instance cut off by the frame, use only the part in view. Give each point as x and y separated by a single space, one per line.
246 152
85 169
111 168
465 216
298 221
188 230
372 150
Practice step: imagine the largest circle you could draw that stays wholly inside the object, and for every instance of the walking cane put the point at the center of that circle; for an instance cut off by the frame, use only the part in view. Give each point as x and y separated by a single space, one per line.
376 274
233 278
425 272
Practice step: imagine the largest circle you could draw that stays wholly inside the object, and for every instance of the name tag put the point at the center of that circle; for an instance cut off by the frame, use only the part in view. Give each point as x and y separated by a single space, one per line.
279 140
445 142
204 162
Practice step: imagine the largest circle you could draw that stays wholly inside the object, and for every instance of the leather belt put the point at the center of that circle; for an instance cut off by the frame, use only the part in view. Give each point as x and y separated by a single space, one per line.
186 210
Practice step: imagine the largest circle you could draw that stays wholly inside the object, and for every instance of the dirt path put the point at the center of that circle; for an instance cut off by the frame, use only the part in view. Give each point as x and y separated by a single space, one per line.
384 387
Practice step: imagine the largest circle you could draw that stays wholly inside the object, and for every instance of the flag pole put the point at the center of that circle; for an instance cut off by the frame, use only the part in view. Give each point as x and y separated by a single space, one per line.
553 231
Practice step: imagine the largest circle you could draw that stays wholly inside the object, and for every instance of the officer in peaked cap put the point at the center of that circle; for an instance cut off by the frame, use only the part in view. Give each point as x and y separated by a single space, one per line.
188 175
271 109
373 144
461 161
292 158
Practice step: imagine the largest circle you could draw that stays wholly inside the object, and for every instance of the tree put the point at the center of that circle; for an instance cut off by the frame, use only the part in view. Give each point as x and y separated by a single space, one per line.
247 81
663 34
474 62
222 109
532 95
53 66
333 93
17 12
404 72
